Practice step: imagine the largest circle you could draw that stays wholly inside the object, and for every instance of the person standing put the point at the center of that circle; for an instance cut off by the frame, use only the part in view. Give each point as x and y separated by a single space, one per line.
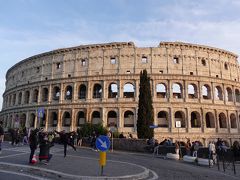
33 142
1 136
65 140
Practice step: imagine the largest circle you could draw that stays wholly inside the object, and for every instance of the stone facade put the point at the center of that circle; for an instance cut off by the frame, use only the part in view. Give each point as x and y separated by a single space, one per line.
195 84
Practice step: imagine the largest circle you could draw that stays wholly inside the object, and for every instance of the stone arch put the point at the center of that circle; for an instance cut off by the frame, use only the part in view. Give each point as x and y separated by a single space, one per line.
56 93
229 94
23 119
192 91
210 122
66 119
162 119
96 117
237 95
161 90
81 118
128 118
111 118
233 120
222 120
26 97
177 90
35 95
82 91
45 94
206 91
195 119
113 90
68 92
20 98
32 120
53 120
97 91
180 116
128 90
218 93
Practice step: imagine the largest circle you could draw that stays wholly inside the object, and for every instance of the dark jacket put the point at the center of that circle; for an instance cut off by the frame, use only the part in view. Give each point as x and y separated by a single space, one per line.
33 140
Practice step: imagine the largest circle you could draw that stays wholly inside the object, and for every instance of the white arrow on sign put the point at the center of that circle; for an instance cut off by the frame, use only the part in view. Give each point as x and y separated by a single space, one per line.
103 144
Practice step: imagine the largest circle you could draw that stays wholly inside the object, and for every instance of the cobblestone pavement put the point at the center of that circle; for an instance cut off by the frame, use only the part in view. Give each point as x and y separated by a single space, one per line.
83 164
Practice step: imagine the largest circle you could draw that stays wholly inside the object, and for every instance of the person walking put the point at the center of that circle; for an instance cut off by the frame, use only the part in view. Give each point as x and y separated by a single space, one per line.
1 136
79 137
33 142
65 140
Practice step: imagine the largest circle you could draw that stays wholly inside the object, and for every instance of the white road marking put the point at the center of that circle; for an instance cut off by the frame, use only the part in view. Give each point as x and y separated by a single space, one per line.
12 155
22 174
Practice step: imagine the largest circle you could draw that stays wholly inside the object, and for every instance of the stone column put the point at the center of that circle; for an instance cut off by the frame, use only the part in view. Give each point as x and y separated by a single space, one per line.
224 95
120 120
27 119
50 94
228 123
39 95
36 120
136 89
89 91
75 92
120 89
213 93
217 121
172 119
169 90
104 120
61 93
188 120
47 119
185 90
73 121
59 121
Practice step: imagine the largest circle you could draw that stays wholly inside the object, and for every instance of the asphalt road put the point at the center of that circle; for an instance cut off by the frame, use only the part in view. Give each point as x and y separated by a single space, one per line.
84 163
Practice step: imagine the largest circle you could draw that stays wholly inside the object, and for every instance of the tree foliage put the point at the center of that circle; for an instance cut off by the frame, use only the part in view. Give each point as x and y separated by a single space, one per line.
145 108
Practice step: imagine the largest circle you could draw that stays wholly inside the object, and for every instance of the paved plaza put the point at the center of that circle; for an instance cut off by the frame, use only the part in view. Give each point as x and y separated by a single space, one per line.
83 164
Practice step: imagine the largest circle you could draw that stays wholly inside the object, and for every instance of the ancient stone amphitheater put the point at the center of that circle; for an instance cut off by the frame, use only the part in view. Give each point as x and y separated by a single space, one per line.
65 88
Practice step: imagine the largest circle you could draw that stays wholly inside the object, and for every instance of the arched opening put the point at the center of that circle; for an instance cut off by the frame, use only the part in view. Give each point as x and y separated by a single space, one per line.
177 90
20 98
97 91
14 99
222 120
195 120
233 120
45 95
128 90
128 119
96 117
53 120
81 119
237 95
32 120
43 120
68 93
210 123
229 94
66 121
23 121
112 118
113 90
162 119
206 92
82 92
56 93
161 90
27 96
180 116
35 96
218 93
192 91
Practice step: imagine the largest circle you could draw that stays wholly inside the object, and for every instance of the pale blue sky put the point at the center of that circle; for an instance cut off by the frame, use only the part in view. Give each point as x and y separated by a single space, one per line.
29 27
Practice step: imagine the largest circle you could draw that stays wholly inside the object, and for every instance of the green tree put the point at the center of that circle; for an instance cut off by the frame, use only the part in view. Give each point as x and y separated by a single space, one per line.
145 108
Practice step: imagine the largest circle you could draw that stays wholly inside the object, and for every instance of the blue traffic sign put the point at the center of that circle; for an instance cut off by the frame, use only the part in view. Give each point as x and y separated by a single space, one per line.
103 143
40 112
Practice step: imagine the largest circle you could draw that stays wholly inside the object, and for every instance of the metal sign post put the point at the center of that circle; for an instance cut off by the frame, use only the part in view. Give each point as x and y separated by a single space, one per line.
102 144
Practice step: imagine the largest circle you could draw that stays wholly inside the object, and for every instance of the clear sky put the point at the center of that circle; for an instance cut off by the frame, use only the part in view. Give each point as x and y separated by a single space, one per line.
29 27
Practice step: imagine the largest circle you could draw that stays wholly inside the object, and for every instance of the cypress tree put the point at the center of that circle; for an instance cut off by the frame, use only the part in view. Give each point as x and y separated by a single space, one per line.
145 108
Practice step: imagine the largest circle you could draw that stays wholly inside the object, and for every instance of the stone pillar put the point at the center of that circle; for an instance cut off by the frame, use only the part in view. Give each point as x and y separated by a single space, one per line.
185 90
188 120
27 119
75 92
104 119
169 90
224 95
73 121
217 121
213 92
47 119
120 89
89 91
105 90
120 118
172 119
50 94
233 95
200 97
135 119
39 95
59 121
228 119
36 120
136 89
61 93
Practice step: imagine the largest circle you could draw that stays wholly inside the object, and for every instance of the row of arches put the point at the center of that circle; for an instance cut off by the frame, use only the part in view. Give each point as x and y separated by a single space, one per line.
161 91
163 119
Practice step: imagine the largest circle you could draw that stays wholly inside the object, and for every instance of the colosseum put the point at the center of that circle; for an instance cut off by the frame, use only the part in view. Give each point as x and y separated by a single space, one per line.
65 88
